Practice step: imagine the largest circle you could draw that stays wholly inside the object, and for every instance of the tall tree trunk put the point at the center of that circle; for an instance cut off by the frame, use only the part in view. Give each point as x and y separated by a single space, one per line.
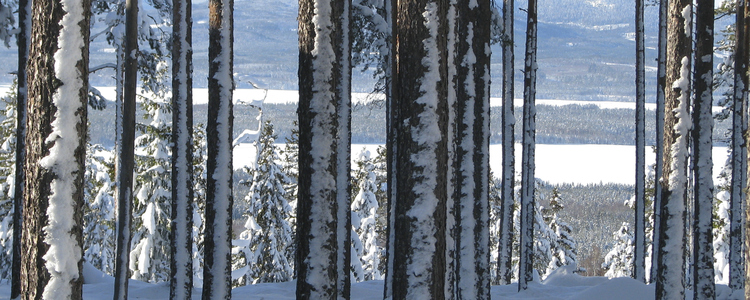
703 266
419 269
671 265
56 138
660 90
505 249
471 169
341 14
217 277
24 31
323 216
125 157
181 283
526 245
391 144
639 259
739 147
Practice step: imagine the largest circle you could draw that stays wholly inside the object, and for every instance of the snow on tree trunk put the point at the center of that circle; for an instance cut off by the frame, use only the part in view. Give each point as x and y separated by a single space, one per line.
217 279
125 155
703 268
640 146
53 202
391 77
323 224
419 249
340 15
472 150
22 38
670 279
508 128
181 267
660 90
739 148
528 182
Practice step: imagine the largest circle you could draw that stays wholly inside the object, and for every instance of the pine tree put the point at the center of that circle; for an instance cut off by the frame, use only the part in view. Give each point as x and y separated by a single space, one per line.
671 263
150 248
323 206
7 182
217 268
659 168
564 249
526 263
417 242
640 145
619 260
99 215
267 231
199 201
365 218
702 135
721 220
183 179
51 260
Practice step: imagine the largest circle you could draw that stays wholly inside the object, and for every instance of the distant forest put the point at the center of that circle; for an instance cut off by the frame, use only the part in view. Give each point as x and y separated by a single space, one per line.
568 124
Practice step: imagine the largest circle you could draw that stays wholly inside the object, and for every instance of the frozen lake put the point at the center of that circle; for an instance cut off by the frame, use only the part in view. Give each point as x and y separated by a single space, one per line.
554 163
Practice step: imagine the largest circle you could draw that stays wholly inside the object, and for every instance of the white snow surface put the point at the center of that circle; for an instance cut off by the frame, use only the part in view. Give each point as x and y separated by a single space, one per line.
582 164
561 284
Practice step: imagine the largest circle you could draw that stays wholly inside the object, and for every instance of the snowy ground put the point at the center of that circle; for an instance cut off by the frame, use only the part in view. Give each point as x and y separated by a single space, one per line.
560 285
554 163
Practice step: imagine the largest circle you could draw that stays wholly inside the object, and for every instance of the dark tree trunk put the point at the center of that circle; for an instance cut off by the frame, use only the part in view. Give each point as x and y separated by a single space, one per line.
660 90
422 154
54 161
341 38
739 148
528 181
504 264
126 152
471 188
24 30
181 264
703 268
639 259
323 213
217 277
671 265
391 144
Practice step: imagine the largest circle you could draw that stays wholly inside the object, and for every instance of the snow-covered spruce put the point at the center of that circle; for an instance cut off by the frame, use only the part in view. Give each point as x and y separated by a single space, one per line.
364 221
150 248
267 234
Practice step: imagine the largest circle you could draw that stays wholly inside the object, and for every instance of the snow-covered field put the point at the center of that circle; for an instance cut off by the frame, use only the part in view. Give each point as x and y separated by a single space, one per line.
554 163
562 284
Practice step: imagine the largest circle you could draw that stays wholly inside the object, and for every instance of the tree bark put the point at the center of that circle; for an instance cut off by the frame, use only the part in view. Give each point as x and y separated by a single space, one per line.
181 264
323 208
739 147
126 154
217 277
471 168
528 181
671 265
419 269
55 141
504 264
391 144
703 268
22 38
639 259
658 170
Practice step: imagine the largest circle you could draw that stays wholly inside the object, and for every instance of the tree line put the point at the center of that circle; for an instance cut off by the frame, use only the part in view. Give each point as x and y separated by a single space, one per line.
436 82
